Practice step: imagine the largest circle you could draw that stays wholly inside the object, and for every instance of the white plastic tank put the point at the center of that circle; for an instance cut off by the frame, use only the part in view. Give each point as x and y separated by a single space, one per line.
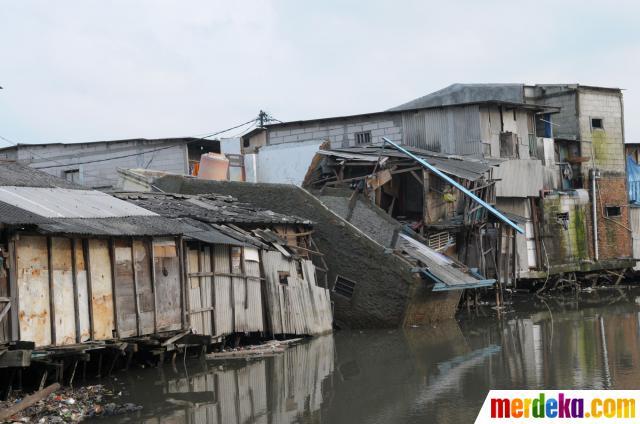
214 166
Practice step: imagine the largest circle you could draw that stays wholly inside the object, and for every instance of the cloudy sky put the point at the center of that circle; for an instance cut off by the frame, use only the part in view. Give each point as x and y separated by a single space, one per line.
83 70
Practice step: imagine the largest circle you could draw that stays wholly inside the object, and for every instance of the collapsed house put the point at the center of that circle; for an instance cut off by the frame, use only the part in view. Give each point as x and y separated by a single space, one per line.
243 263
82 271
373 284
561 168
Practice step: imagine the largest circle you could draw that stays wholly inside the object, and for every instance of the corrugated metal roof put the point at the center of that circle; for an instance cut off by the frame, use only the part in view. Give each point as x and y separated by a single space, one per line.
211 208
67 203
121 226
464 167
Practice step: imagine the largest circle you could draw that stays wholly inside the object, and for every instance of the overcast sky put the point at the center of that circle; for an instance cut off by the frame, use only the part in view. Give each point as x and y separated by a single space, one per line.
86 70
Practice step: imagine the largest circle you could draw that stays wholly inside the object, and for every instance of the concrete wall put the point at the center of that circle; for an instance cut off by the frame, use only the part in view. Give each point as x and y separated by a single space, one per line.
606 146
340 131
284 163
105 158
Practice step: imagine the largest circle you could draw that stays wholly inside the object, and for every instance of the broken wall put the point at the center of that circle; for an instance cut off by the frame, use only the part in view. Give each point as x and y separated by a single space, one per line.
381 280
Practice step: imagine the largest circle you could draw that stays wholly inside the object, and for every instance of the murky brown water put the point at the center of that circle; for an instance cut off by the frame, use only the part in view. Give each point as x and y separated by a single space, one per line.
434 375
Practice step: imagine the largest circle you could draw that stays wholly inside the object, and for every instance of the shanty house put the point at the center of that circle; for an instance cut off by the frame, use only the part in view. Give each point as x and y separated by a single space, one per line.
249 270
80 265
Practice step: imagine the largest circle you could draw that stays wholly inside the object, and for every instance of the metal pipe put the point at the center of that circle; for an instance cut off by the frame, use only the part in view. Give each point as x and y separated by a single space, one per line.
594 212
457 185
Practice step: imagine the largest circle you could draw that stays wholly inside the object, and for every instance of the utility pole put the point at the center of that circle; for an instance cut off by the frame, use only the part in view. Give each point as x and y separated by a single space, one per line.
263 117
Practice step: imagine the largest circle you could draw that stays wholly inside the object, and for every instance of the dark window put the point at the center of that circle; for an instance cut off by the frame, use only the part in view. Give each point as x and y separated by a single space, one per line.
245 142
282 276
363 137
563 219
72 175
344 287
613 211
596 124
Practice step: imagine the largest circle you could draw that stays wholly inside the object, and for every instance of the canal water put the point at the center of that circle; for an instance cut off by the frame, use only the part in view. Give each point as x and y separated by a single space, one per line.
439 374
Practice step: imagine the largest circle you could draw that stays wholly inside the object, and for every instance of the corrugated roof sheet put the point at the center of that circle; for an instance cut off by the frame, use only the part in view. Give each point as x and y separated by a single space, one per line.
211 208
121 226
67 203
464 167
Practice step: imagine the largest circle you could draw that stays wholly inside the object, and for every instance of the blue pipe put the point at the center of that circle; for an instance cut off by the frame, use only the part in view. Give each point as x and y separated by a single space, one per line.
457 185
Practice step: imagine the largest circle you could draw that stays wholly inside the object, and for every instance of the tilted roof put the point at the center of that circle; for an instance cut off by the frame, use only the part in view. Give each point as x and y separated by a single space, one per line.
459 94
210 208
19 175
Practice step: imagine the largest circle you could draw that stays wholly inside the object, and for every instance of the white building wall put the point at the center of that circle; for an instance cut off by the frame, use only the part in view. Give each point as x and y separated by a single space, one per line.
282 163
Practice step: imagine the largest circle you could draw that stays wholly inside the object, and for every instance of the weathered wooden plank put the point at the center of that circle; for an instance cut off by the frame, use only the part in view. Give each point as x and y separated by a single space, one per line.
13 288
15 358
167 284
142 270
82 292
63 291
195 300
206 290
102 311
222 291
124 288
33 285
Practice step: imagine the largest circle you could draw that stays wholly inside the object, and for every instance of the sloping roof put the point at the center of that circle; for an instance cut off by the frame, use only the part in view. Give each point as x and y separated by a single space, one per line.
18 175
460 166
459 94
175 140
210 208
68 203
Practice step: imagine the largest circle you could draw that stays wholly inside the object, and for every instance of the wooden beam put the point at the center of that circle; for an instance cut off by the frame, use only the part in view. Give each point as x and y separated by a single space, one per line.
153 284
5 310
52 305
28 401
74 279
135 289
114 298
15 358
13 289
87 264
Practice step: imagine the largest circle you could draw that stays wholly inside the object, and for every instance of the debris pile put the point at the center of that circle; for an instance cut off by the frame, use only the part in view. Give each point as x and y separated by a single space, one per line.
70 405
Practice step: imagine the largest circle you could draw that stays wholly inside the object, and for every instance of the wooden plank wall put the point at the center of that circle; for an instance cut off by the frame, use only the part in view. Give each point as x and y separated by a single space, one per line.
167 283
224 289
66 288
298 306
5 334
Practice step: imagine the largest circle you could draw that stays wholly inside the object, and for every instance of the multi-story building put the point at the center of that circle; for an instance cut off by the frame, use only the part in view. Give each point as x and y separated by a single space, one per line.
549 140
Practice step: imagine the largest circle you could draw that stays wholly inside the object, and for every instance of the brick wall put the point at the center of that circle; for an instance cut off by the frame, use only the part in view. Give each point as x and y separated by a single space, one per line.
614 240
340 131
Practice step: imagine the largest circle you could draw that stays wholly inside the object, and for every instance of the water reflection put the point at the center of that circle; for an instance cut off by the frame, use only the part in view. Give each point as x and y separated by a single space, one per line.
437 374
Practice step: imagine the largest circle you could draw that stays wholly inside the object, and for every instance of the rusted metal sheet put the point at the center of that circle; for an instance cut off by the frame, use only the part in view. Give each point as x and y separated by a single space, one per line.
125 290
222 288
5 334
101 289
167 285
64 304
33 286
82 292
142 267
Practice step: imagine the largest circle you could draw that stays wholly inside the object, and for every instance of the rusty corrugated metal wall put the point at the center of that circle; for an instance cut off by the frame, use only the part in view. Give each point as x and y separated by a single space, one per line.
452 130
